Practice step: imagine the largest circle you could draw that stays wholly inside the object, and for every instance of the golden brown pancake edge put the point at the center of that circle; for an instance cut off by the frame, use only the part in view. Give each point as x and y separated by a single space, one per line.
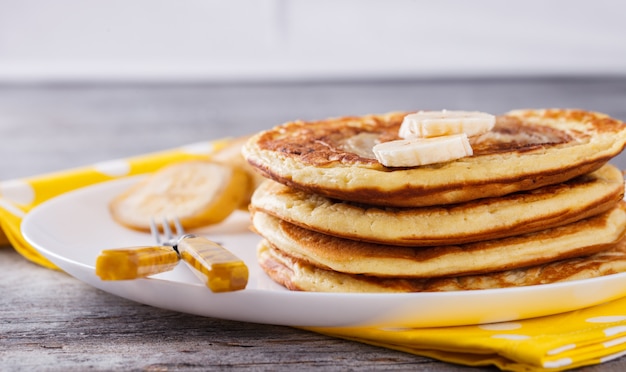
309 156
298 275
487 218
581 238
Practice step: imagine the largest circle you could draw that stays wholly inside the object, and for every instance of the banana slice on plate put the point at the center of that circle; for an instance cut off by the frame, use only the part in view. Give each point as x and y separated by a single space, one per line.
231 155
422 151
427 124
199 193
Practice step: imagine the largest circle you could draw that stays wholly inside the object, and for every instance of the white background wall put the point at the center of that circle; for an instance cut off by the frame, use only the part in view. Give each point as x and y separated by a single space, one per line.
308 39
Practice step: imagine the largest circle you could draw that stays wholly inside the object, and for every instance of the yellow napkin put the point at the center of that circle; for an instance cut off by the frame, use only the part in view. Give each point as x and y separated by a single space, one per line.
3 239
553 343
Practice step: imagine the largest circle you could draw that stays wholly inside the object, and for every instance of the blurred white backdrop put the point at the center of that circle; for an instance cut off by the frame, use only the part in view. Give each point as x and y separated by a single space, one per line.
210 40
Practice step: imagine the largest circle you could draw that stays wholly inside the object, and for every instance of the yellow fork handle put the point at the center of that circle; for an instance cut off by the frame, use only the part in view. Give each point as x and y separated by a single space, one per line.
217 267
135 262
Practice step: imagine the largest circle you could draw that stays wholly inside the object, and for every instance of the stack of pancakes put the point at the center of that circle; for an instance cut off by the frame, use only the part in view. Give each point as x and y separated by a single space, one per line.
537 203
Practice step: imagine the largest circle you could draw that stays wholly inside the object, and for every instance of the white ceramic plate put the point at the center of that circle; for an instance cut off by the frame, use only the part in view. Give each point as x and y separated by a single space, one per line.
72 229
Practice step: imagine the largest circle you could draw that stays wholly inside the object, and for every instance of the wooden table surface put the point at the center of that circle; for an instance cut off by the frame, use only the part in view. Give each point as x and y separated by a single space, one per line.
51 321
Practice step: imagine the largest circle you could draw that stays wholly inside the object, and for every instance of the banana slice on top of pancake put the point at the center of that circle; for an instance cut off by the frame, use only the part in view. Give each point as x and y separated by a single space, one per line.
428 124
524 150
433 137
422 151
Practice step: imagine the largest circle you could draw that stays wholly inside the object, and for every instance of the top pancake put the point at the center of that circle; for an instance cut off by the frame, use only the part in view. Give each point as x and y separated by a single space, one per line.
526 149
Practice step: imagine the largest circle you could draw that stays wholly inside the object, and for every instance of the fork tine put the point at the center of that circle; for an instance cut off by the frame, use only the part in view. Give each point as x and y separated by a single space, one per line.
154 230
179 227
167 230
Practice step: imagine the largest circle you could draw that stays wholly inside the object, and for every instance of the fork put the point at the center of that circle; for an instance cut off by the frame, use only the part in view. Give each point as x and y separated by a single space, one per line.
136 262
218 268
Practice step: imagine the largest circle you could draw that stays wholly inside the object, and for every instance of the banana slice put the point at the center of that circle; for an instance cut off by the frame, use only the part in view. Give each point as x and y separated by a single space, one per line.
426 124
422 151
231 155
200 193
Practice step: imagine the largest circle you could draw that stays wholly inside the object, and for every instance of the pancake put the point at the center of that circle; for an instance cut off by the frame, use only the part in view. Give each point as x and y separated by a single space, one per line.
488 218
580 238
298 275
525 150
